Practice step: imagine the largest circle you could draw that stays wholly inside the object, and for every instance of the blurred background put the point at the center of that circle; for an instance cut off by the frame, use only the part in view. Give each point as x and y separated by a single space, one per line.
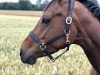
23 4
17 19
22 7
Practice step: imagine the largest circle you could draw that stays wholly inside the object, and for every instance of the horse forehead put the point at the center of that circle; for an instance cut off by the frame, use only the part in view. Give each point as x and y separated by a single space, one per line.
51 8
52 5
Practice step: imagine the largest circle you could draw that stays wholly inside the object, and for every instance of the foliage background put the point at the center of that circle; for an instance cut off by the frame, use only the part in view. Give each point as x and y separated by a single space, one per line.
24 5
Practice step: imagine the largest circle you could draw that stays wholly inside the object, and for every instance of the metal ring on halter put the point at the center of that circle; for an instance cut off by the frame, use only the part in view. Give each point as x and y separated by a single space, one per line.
67 40
69 20
43 46
67 32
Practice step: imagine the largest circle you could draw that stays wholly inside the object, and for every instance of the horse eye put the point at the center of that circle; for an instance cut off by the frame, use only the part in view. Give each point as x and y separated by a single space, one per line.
46 21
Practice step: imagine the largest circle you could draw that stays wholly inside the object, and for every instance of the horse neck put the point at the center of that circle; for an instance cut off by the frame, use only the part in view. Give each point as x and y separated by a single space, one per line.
89 35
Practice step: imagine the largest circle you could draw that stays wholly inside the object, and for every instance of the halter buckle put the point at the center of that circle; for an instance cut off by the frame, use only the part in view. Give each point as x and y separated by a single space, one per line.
69 20
43 46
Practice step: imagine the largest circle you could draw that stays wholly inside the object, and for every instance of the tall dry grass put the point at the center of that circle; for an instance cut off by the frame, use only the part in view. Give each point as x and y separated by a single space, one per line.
21 13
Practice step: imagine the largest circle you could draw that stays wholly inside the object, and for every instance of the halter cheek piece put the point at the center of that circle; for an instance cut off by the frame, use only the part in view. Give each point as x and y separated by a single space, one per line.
44 46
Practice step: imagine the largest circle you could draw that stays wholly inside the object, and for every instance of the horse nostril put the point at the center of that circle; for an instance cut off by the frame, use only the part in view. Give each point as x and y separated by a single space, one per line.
21 52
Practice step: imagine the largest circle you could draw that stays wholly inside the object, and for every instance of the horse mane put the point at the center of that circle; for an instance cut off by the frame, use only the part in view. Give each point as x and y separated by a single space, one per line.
93 8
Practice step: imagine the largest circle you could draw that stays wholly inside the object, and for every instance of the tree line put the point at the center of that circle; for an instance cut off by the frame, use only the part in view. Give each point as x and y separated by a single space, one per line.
24 5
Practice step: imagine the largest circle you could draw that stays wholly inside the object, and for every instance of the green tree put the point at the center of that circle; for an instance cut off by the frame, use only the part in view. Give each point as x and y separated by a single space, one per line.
38 5
1 6
4 5
44 3
25 5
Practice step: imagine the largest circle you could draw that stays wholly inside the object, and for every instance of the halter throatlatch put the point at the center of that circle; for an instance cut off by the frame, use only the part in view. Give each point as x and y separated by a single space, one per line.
44 46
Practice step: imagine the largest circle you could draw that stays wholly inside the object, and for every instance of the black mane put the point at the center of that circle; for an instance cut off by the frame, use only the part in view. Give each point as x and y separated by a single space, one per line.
93 8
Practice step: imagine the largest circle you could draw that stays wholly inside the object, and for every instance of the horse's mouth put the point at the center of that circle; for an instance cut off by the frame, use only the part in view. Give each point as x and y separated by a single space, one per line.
27 59
30 60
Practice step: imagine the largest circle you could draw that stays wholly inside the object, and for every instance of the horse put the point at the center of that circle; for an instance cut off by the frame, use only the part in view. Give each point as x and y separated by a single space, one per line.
52 33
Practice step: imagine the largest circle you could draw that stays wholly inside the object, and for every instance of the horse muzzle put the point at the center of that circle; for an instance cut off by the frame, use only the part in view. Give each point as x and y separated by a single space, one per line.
27 58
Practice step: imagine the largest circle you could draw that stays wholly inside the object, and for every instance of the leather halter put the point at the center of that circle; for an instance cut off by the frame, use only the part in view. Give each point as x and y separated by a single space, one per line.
44 46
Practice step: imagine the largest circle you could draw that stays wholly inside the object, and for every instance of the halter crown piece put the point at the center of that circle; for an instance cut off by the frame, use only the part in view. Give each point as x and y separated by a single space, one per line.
44 46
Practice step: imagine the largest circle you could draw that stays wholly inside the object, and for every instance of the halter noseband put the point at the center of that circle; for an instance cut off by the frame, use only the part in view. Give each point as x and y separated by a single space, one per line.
44 46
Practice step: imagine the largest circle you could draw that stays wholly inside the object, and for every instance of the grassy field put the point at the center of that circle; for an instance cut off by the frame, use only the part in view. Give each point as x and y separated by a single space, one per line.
13 30
21 13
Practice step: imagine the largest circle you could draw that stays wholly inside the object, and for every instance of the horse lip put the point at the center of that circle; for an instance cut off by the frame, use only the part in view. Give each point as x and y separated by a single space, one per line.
31 60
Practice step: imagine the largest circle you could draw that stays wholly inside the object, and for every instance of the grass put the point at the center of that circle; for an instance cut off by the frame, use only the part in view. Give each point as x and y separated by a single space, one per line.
13 30
21 13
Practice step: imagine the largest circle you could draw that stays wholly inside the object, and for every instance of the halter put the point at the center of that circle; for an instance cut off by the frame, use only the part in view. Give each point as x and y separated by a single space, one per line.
44 46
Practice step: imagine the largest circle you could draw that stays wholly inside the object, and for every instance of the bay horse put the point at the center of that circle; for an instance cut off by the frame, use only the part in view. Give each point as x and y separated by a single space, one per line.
84 30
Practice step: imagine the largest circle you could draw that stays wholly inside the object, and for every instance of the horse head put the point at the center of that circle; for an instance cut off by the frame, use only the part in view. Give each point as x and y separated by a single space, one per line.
51 25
